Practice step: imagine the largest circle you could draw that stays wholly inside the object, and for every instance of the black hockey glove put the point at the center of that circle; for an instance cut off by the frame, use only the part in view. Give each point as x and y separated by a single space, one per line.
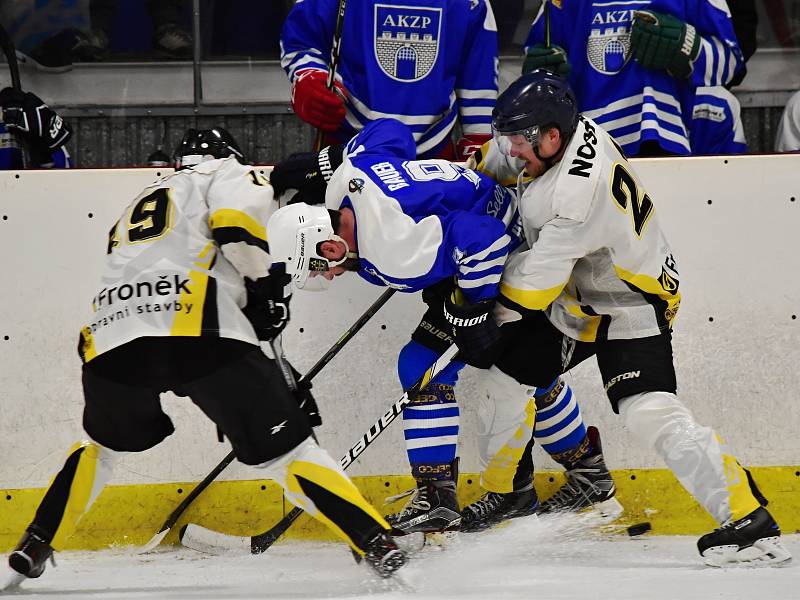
475 331
308 173
553 59
267 306
662 41
306 400
27 114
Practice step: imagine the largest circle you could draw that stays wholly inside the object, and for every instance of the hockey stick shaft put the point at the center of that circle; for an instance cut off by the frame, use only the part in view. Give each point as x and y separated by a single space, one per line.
312 372
13 66
334 65
547 23
261 542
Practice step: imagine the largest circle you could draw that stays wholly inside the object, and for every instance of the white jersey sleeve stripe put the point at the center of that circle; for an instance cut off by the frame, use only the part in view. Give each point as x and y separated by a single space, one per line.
476 283
476 94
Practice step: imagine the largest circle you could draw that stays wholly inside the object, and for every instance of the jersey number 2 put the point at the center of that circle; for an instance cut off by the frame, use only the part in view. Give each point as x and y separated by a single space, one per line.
627 195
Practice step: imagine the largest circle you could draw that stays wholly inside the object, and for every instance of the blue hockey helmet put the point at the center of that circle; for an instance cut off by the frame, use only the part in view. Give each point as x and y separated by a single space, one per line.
536 101
200 145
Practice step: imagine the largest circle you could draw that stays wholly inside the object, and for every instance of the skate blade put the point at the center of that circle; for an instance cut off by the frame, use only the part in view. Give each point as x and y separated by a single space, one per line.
441 540
12 581
766 552
608 511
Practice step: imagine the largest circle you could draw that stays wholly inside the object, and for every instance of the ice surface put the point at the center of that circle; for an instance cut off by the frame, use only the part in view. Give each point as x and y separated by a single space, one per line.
553 558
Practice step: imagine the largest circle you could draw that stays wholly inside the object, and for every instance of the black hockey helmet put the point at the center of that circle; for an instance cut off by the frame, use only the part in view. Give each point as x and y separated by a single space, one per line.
536 101
200 145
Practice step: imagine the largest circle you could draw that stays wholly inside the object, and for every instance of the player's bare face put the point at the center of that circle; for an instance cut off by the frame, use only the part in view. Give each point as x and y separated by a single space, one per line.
333 251
521 148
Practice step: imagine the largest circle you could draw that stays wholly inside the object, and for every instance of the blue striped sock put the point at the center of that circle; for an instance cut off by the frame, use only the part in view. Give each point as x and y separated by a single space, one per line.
559 423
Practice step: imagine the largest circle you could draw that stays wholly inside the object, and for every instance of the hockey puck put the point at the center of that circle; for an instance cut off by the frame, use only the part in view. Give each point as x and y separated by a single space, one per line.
639 528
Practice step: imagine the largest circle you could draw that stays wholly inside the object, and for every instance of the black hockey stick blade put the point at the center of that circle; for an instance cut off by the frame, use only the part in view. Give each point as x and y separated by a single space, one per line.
312 372
181 508
213 541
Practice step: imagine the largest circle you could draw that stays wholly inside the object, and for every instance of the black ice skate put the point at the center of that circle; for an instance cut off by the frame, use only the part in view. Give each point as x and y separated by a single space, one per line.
752 540
383 555
432 509
28 560
589 485
493 508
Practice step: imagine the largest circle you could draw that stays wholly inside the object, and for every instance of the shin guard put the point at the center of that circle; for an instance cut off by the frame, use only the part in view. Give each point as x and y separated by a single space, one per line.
507 416
315 482
696 455
86 471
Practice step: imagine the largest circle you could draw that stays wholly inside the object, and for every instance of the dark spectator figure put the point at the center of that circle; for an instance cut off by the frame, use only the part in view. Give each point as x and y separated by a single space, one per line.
31 133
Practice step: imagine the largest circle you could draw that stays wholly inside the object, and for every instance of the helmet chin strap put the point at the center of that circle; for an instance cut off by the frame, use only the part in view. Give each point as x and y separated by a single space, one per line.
552 159
347 252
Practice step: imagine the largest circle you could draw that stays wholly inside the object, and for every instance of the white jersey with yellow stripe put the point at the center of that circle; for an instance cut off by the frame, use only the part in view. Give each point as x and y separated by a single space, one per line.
176 258
596 258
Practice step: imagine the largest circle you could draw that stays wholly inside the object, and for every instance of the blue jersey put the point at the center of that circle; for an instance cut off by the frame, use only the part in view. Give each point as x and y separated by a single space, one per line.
716 126
11 154
422 62
418 222
632 103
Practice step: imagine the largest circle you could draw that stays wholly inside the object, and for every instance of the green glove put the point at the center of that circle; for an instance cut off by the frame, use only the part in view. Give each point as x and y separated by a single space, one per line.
553 59
661 41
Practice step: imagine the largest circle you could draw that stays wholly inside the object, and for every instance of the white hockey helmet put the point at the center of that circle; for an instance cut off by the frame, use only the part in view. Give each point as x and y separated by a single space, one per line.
294 233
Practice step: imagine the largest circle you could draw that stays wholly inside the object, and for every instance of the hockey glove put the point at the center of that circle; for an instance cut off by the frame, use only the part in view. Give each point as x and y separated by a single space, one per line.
267 306
475 331
305 399
27 114
661 41
307 172
467 145
553 59
315 103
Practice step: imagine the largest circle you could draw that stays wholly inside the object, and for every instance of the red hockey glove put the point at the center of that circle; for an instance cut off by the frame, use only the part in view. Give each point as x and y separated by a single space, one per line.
315 103
469 143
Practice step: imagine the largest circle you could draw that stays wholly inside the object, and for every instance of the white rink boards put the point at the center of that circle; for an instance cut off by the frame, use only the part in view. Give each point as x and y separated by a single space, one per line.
732 223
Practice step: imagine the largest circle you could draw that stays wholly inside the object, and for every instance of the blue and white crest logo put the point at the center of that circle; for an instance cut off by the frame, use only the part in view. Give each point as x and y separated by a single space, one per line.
609 45
407 40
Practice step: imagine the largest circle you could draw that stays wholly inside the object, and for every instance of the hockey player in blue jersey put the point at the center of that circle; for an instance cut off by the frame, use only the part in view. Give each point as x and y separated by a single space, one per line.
434 226
426 64
43 133
651 72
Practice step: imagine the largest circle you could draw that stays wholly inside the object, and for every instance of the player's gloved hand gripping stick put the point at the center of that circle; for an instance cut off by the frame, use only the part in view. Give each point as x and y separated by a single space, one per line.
206 540
312 372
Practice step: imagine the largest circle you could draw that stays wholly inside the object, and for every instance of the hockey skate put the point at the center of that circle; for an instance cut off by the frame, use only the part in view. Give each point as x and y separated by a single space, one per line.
753 540
589 485
383 555
432 510
28 560
493 508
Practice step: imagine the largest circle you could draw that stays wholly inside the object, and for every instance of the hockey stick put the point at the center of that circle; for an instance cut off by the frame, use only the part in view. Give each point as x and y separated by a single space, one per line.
13 66
206 540
546 23
335 47
312 372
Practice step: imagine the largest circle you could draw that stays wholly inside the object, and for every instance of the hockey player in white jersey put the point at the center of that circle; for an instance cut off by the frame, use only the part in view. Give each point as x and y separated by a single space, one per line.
596 276
186 295
434 226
